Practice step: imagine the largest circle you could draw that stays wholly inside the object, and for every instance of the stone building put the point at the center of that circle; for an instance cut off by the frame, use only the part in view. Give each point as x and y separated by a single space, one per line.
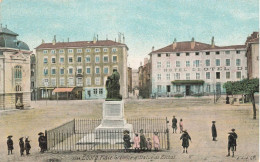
33 77
252 54
14 71
195 68
130 89
144 79
78 70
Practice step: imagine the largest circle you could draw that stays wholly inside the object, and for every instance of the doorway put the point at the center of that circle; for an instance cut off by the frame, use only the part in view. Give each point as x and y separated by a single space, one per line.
187 90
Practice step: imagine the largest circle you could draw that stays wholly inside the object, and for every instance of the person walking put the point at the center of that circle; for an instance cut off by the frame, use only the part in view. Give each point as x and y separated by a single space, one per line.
185 137
10 145
126 138
27 146
143 144
174 124
235 139
181 126
21 144
156 141
231 143
214 131
136 142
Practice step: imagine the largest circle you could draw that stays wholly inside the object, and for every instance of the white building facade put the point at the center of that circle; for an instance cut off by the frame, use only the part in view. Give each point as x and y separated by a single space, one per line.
194 68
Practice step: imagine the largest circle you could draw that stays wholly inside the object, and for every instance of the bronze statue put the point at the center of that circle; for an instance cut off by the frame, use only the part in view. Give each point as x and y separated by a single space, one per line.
113 87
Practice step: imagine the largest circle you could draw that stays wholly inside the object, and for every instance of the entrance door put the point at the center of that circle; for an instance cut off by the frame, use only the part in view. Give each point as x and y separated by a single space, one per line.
89 93
187 90
168 88
18 100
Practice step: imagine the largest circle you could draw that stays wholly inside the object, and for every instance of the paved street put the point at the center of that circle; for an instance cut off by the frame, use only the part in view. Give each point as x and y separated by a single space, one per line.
197 114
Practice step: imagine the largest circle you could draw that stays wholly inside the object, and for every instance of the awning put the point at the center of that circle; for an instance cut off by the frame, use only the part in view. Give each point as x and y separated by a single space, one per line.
183 82
62 90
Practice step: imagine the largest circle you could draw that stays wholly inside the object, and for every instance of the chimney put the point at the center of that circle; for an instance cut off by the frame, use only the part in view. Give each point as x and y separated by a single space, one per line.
54 40
212 42
94 39
145 61
68 39
174 45
97 37
43 41
152 48
124 39
192 43
119 37
107 38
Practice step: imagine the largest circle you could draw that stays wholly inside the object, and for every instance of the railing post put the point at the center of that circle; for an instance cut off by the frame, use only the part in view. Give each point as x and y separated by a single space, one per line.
74 127
46 137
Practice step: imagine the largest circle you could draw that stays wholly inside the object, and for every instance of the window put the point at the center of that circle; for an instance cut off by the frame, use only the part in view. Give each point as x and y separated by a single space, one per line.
168 76
239 75
178 88
71 81
45 51
207 62
237 52
79 50
114 49
159 64
62 81
105 70
196 63
88 70
187 63
227 62
168 64
217 52
45 60
95 91
159 77
61 59
159 88
187 76
238 62
70 50
207 75
105 59
167 55
45 71
208 88
45 82
97 80
178 63
88 81
79 70
187 54
217 62
79 82
62 71
207 53
79 59
158 55
53 60
114 58
88 50
53 81
100 91
70 59
53 71
177 76
18 72
61 51
197 75
217 75
87 59
70 70
53 51
105 49
97 70
178 54
197 53
97 59
227 52
227 75
97 49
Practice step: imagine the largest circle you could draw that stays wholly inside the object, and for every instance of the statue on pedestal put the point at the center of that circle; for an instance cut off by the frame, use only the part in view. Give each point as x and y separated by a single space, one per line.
113 87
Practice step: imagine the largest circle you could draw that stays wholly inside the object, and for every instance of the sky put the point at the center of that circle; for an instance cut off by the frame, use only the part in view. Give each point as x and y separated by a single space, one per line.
145 23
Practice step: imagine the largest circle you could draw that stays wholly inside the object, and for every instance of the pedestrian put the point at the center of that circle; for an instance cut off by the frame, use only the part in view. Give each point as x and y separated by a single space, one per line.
185 137
181 126
149 144
21 144
27 146
126 138
174 124
41 141
136 142
235 138
156 141
214 131
231 143
143 144
10 145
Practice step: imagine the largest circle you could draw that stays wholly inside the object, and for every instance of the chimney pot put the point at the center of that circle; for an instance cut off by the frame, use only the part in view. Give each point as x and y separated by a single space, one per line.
212 42
192 43
174 44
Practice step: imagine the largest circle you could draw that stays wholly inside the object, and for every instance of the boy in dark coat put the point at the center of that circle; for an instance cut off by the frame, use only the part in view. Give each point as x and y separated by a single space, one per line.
21 144
27 146
185 140
174 124
214 131
235 137
126 138
10 145
41 141
143 145
231 143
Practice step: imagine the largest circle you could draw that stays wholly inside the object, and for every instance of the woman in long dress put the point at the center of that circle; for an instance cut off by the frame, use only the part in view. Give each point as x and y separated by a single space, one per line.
156 141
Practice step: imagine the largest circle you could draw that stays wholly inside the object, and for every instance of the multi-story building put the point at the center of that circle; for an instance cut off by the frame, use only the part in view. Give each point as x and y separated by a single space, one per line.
33 77
194 68
79 70
252 54
144 79
14 71
129 80
135 79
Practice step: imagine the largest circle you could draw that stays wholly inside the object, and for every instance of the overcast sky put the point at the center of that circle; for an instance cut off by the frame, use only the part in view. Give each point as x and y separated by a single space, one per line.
145 23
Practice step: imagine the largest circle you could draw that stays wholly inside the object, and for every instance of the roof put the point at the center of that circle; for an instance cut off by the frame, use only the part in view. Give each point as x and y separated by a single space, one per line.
186 46
80 44
7 31
63 90
253 38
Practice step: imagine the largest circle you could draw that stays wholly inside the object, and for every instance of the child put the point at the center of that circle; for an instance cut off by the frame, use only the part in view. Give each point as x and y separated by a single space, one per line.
136 142
149 144
156 141
126 139
27 146
21 144
10 145
185 137
181 126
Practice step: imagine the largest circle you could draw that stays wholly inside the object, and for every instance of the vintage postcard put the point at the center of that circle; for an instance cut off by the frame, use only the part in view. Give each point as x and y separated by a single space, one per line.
134 80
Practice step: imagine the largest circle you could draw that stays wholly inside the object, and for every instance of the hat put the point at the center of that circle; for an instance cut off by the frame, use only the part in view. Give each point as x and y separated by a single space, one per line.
213 121
21 138
185 130
40 133
155 132
126 131
26 137
136 134
10 136
232 129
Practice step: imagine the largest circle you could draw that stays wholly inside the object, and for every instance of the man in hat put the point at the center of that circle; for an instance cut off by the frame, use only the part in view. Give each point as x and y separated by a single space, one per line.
41 141
143 144
185 140
174 124
10 145
27 146
231 143
21 144
235 137
214 131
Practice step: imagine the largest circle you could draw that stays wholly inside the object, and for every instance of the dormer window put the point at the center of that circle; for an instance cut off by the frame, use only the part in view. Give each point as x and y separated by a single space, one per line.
178 54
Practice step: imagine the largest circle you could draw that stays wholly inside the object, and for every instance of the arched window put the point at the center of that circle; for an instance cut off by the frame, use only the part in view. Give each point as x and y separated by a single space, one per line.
17 72
18 88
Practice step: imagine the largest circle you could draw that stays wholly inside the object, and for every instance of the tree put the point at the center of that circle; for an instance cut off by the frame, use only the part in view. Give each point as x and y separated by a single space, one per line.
245 86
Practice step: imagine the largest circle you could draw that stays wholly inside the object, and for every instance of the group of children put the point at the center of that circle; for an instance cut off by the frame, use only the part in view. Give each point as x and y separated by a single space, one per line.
24 145
140 142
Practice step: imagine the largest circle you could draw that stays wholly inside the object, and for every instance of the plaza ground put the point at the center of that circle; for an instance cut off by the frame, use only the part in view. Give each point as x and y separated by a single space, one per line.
197 114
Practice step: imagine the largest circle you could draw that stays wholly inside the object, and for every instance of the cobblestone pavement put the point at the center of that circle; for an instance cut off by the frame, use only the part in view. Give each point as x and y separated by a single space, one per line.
197 114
